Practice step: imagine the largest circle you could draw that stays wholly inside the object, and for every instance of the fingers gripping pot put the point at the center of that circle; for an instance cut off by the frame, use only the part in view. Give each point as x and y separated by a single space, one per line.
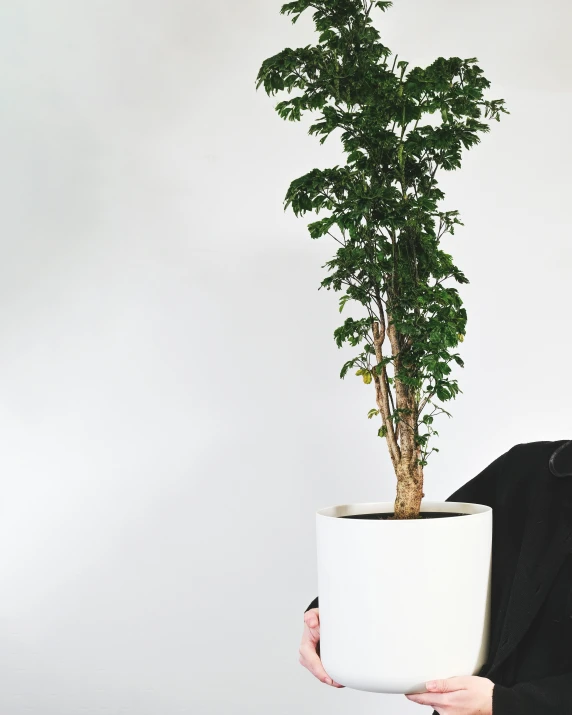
403 601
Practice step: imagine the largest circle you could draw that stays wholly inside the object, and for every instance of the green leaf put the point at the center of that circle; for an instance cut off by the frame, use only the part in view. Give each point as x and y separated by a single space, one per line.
343 300
349 364
380 365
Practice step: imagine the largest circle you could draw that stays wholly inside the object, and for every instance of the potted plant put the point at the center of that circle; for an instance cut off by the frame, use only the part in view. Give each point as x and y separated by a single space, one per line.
390 562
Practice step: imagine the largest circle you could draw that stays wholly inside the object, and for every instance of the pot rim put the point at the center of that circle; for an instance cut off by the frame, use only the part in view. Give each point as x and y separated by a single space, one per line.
339 510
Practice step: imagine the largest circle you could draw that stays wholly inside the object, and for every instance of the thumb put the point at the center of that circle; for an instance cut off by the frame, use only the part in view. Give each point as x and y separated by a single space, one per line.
311 619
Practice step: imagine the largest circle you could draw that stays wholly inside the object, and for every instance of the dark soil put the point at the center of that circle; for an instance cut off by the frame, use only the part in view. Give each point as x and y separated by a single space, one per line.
390 515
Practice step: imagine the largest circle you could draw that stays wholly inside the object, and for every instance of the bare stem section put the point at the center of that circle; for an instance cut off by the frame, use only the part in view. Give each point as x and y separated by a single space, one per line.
404 452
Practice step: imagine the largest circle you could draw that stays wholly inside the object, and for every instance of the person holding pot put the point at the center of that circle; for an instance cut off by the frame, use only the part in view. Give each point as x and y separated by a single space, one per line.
529 665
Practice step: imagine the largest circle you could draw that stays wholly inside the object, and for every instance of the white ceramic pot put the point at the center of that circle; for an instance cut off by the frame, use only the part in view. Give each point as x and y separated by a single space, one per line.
404 601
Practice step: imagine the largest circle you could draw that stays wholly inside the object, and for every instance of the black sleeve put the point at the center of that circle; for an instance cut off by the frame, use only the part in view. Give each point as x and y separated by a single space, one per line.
314 604
550 696
481 489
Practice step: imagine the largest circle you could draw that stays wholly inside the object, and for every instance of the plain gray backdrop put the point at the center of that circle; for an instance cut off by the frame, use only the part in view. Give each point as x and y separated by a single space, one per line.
171 413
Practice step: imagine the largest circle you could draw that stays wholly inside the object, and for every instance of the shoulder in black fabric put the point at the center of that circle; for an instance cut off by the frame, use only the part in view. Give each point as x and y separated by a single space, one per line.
545 543
561 460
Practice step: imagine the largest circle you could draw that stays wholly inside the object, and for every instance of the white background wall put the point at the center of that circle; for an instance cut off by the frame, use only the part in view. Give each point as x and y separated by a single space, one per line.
171 414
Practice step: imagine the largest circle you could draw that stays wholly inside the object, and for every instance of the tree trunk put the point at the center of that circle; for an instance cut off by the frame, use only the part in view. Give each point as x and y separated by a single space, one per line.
409 490
403 451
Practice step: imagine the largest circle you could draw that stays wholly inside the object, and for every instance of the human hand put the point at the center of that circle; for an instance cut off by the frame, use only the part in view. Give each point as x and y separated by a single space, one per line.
309 648
460 695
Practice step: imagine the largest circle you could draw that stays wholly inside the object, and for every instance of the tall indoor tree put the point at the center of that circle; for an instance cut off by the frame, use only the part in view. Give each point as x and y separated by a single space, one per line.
383 212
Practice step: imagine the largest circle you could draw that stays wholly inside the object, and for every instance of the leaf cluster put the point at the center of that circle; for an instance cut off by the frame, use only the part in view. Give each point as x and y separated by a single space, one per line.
384 201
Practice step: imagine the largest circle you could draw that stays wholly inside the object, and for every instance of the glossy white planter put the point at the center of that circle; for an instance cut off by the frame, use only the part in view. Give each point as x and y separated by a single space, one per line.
406 601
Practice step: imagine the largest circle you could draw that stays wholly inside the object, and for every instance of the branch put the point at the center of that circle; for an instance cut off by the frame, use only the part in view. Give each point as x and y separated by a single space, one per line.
337 239
352 285
381 393
425 401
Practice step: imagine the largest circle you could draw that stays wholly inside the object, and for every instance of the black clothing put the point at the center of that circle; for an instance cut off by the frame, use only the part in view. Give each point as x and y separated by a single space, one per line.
529 488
